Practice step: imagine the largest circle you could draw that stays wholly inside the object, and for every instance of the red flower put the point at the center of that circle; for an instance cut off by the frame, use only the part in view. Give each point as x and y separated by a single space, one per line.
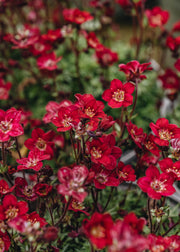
164 131
10 124
177 64
4 89
24 190
170 81
41 141
76 16
133 70
106 123
103 151
52 109
174 243
119 94
4 187
67 118
135 223
52 35
173 43
105 56
34 218
103 177
168 166
156 184
72 182
48 61
157 17
125 172
12 208
90 108
77 206
92 40
150 145
40 47
33 161
158 243
97 229
4 242
124 239
136 134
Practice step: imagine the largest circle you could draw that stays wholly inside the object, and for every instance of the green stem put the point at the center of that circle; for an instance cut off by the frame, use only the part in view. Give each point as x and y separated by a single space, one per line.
109 199
73 144
149 214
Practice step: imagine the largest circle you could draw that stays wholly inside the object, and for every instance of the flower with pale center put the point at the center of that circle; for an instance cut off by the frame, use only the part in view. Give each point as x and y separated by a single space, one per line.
11 212
89 112
118 95
165 134
96 152
98 231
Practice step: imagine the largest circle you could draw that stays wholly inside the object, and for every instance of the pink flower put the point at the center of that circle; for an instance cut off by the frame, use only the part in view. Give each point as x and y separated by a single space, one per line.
157 17
155 184
48 61
119 94
10 124
105 56
72 182
4 89
33 161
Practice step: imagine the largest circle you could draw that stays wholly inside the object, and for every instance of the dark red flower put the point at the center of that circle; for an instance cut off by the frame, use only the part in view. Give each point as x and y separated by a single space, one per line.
92 40
50 234
10 124
157 17
12 208
76 16
52 35
134 70
125 172
42 189
173 43
105 56
155 184
164 131
177 64
168 166
104 177
119 94
48 61
24 190
158 243
40 47
72 182
4 242
41 141
97 229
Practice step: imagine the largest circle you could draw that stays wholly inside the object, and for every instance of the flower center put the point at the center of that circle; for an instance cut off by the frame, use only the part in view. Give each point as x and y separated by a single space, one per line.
158 248
98 231
89 112
157 186
11 213
49 63
149 145
66 121
165 134
156 20
96 152
77 205
5 126
41 144
122 174
28 191
118 95
101 178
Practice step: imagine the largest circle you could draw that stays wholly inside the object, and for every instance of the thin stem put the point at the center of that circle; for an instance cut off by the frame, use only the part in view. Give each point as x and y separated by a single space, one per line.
3 154
95 198
65 211
135 100
149 214
177 223
109 199
74 149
